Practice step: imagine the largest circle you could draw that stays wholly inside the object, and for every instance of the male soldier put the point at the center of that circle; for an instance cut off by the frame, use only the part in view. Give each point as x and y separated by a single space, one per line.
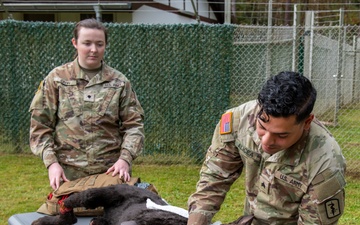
294 167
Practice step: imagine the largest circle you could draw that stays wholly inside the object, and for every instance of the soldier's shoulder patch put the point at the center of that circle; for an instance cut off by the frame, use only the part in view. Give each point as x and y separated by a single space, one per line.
333 208
226 123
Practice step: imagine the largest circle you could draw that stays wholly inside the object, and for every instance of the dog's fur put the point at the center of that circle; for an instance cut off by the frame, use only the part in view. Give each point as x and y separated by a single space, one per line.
123 205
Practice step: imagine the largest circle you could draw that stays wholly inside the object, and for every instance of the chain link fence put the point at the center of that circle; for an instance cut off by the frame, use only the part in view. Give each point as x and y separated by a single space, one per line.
187 75
328 56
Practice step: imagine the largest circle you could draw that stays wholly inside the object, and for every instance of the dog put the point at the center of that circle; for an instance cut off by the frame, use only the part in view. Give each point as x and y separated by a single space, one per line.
123 205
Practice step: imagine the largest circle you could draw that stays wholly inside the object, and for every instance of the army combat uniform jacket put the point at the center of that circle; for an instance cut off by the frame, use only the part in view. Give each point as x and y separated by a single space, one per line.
300 185
86 124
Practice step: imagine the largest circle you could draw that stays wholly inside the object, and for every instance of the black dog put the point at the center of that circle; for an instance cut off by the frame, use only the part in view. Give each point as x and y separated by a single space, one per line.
123 205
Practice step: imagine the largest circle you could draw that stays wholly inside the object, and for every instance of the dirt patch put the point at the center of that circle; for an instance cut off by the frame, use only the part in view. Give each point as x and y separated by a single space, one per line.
353 174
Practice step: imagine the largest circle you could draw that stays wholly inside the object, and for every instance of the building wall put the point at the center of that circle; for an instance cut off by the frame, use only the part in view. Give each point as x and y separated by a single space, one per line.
150 15
123 17
67 17
119 17
15 16
203 7
144 14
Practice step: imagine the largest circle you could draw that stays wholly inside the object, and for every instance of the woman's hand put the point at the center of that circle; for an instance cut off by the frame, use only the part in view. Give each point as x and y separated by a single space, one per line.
56 175
121 167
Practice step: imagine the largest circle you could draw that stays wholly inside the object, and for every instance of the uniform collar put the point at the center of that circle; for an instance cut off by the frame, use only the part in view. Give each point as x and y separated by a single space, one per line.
105 75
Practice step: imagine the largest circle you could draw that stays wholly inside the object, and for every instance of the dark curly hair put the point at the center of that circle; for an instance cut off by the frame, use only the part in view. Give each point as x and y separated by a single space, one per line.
287 94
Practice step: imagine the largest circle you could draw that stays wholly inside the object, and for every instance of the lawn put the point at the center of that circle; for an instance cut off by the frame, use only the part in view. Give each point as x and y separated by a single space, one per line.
24 186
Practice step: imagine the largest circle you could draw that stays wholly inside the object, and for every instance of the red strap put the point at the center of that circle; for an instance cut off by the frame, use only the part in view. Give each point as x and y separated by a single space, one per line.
62 208
50 196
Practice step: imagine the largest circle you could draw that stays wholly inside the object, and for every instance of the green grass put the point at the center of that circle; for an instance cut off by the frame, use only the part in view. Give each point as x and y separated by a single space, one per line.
347 134
24 187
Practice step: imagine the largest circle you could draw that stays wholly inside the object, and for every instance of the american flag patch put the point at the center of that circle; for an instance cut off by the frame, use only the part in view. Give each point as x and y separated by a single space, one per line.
225 123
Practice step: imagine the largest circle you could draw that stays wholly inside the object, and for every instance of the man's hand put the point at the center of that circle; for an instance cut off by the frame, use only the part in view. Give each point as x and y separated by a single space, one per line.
121 167
56 174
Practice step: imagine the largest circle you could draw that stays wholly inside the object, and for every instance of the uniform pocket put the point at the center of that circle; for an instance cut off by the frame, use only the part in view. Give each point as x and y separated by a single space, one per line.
107 102
106 99
69 100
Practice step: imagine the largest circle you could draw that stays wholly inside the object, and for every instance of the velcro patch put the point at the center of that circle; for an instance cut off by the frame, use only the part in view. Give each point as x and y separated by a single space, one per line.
329 196
89 97
226 123
264 185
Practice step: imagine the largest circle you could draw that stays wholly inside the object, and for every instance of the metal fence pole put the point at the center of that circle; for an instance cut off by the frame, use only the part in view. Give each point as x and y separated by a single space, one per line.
340 67
311 44
308 43
293 66
227 18
268 41
354 69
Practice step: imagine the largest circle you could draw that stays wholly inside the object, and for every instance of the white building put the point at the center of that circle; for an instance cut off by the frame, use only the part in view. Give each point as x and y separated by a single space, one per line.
137 11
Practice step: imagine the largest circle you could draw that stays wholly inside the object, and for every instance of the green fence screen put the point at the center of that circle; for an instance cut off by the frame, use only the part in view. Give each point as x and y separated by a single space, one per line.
181 74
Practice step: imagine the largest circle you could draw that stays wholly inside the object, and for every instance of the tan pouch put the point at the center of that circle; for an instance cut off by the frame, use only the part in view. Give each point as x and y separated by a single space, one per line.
52 207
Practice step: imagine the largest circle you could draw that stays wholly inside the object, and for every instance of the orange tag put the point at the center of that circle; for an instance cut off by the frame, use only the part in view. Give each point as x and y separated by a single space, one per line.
40 86
226 123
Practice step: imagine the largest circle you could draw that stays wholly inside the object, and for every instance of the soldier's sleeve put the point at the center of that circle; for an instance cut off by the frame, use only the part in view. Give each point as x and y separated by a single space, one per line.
222 166
324 202
132 124
42 122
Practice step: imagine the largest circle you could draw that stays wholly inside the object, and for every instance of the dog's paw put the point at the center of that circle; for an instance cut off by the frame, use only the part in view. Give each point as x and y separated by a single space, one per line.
46 220
99 221
66 219
37 222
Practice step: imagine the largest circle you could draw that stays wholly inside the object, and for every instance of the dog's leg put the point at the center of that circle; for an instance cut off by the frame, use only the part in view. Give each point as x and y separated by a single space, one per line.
62 219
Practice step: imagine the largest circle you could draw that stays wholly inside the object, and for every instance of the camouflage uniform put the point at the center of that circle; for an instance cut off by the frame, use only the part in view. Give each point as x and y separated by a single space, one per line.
86 125
300 185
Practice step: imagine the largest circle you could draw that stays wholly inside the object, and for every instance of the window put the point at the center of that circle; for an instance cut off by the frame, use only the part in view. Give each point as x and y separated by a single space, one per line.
39 17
